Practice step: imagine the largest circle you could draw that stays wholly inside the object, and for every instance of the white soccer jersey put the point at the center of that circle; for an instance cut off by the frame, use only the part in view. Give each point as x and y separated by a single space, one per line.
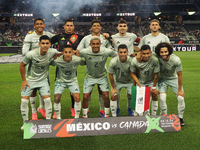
31 41
95 62
85 42
153 41
38 64
128 40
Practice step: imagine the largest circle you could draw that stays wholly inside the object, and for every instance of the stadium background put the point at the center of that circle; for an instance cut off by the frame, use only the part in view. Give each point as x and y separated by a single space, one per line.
179 21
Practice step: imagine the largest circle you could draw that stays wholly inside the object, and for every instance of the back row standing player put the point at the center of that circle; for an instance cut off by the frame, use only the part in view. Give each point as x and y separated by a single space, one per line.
31 42
96 29
68 38
152 39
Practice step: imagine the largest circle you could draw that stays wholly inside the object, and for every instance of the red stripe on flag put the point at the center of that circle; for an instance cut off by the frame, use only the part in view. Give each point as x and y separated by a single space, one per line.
147 98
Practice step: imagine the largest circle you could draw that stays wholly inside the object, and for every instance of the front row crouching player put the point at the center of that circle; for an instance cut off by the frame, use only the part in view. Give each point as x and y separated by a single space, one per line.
120 66
146 73
96 57
66 78
38 60
170 67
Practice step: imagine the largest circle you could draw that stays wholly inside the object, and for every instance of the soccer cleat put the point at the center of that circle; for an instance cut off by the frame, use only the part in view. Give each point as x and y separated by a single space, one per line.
130 112
84 117
181 122
101 113
34 116
72 112
54 116
42 111
88 112
117 112
22 128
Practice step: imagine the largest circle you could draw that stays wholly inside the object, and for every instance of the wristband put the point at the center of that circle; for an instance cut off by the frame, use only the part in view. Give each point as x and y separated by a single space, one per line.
153 88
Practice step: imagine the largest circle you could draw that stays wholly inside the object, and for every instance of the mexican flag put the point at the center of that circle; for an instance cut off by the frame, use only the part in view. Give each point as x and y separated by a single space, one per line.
140 98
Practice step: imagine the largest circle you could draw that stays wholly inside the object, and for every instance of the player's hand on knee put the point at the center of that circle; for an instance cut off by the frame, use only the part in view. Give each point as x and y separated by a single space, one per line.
114 94
24 84
181 93
155 92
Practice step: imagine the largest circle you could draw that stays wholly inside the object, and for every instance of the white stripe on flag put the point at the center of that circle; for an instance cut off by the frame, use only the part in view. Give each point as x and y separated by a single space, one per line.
140 99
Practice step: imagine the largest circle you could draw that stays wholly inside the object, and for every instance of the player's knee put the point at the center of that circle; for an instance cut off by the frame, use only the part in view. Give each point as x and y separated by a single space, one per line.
57 98
155 97
114 97
77 98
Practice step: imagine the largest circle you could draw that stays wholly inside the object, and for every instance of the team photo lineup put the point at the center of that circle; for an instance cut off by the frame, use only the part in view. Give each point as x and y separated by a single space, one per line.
150 64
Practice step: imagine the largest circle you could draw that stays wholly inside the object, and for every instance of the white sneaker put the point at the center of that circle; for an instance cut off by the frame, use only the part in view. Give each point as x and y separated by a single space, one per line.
22 128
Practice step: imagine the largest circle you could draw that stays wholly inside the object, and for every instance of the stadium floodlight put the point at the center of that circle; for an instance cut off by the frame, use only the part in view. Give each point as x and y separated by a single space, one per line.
55 14
157 13
191 12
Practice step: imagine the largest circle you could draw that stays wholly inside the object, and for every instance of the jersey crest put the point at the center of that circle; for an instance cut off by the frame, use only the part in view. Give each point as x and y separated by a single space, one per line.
73 38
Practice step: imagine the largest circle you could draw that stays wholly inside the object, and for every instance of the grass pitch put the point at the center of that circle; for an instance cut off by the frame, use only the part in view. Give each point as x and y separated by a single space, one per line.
11 120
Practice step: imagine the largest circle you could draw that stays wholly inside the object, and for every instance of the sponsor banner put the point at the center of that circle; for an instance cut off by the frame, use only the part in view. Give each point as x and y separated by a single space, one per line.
184 42
140 98
185 47
100 126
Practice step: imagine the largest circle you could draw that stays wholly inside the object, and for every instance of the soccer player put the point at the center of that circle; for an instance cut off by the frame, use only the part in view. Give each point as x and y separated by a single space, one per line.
145 73
68 38
120 67
170 75
31 42
39 60
96 57
85 42
124 37
67 78
153 39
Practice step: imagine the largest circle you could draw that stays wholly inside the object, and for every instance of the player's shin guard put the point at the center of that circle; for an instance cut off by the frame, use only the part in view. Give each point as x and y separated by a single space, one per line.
41 102
113 106
85 112
24 109
77 108
101 102
57 110
181 106
163 104
48 107
128 100
106 111
33 104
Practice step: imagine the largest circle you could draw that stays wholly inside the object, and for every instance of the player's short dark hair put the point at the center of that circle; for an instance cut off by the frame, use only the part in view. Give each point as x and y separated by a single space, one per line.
155 20
69 20
122 46
45 37
161 45
68 46
145 47
38 19
96 21
122 21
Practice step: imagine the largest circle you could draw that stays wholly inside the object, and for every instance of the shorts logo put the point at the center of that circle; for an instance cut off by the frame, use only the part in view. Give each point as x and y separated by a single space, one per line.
90 58
76 89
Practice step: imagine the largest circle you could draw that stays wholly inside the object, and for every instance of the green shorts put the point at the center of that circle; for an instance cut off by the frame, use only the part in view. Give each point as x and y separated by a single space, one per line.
163 85
60 87
42 86
89 83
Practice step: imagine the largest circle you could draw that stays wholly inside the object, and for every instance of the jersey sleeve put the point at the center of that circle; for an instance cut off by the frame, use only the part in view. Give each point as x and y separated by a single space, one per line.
141 43
27 59
26 45
81 45
112 53
133 65
111 66
178 65
157 66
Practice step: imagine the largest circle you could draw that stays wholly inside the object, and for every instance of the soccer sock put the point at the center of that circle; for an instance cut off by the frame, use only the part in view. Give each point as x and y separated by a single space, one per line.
33 104
181 106
118 99
154 107
57 110
101 101
128 100
48 107
77 108
85 112
41 102
72 99
113 106
24 109
106 111
163 104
